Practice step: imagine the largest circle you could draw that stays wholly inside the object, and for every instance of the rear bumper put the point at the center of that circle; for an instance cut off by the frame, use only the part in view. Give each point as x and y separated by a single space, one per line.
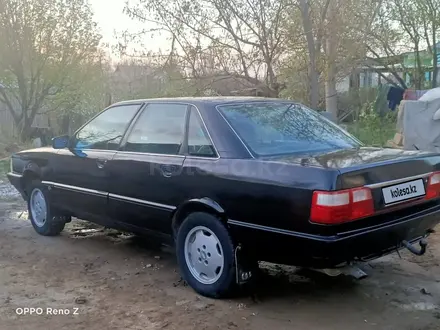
299 249
15 180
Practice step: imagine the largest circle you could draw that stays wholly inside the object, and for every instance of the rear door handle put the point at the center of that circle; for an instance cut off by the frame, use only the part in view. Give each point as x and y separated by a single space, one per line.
101 162
167 174
168 170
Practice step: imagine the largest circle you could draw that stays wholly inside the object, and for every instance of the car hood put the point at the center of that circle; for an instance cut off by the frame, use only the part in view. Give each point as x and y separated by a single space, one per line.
36 150
346 158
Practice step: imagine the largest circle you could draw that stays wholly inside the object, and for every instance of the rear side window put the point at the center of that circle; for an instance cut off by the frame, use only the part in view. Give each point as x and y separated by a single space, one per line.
276 128
159 129
105 131
199 143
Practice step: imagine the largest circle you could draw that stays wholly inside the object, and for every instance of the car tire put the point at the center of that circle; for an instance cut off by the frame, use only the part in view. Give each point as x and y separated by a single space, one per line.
41 213
207 237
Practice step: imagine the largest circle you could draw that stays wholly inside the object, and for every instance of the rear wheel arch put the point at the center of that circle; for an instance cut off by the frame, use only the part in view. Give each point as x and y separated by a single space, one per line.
205 204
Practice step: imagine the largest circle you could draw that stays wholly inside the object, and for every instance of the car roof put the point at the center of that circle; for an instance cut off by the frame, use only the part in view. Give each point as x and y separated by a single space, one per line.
212 100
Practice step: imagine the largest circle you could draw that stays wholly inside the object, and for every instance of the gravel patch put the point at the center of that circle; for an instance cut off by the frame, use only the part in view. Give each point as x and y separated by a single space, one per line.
7 191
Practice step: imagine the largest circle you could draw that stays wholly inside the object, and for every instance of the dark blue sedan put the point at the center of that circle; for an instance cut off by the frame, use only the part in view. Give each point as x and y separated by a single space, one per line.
232 181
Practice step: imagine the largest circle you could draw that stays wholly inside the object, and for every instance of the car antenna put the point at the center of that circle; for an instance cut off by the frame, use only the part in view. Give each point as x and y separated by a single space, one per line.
415 147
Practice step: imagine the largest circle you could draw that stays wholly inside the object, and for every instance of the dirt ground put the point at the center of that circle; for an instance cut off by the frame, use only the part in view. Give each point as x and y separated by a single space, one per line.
115 281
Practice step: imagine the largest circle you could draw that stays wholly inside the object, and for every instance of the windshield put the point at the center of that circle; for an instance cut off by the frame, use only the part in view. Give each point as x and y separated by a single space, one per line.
276 128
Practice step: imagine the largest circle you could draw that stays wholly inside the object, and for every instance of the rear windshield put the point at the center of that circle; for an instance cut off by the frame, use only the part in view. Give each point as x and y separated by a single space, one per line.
272 128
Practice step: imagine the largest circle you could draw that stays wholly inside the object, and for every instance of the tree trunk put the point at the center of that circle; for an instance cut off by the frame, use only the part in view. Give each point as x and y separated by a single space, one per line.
419 70
312 71
25 126
331 98
434 58
314 86
331 95
25 129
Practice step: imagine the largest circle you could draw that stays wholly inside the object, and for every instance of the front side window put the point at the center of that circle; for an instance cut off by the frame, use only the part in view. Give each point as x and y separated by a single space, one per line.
277 128
199 143
105 131
159 129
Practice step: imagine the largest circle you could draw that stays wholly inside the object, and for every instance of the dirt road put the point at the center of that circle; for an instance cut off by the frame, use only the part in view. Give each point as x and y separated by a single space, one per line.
114 281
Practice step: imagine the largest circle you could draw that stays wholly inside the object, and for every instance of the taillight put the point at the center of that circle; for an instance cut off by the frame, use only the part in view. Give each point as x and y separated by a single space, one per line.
334 207
433 186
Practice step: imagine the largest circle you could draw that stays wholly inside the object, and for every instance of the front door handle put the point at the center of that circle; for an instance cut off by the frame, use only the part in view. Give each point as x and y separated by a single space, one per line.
101 163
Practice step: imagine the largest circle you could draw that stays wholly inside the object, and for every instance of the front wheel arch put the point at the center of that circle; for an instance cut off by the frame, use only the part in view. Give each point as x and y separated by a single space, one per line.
29 175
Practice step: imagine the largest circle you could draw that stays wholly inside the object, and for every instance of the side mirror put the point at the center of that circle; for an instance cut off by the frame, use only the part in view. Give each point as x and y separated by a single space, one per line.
64 141
60 142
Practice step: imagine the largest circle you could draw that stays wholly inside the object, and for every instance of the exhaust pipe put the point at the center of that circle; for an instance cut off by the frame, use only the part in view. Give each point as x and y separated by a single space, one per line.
418 252
349 270
355 272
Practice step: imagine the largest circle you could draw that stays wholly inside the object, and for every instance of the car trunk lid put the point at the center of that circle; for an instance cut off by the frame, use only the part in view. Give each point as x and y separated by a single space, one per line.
397 179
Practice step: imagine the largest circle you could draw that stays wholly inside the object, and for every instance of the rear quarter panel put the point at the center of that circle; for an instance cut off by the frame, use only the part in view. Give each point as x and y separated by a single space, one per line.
264 193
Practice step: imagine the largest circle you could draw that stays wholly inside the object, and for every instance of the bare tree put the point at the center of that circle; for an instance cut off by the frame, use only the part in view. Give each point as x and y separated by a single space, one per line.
43 42
406 28
429 10
314 33
335 33
348 23
248 32
385 44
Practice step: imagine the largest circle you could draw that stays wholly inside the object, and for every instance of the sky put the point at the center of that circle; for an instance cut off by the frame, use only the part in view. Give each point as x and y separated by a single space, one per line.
110 18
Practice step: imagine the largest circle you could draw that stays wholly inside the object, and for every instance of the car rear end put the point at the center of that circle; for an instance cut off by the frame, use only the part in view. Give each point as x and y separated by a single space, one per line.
378 207
355 219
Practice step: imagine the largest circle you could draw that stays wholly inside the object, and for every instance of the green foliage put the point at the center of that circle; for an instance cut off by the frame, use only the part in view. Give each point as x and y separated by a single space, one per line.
86 90
372 129
355 100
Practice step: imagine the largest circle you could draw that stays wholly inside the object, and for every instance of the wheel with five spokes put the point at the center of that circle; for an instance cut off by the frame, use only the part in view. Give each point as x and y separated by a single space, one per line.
205 253
41 213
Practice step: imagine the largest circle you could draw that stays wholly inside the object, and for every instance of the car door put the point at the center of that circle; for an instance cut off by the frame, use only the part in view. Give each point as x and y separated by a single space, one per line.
144 189
80 179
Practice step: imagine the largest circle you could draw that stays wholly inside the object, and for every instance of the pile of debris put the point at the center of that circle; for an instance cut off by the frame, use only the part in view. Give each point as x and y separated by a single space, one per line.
418 122
398 140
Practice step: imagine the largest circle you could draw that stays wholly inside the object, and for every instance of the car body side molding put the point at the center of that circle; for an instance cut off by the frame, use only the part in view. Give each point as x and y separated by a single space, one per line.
142 202
74 188
15 175
280 231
